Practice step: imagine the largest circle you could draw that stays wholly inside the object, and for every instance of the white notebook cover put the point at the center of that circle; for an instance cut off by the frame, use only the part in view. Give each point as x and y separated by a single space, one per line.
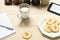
4 20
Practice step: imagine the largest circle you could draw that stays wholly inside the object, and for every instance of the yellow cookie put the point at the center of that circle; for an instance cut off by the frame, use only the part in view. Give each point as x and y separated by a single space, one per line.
26 35
50 20
54 28
47 29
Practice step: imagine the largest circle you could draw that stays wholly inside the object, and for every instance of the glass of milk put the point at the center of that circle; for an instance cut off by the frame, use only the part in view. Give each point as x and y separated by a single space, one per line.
24 10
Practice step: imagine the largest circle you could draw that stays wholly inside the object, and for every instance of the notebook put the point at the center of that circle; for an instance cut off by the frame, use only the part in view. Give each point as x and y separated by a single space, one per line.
4 20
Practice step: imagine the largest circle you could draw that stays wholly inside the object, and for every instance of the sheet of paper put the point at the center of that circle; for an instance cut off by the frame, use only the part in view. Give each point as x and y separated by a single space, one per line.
4 20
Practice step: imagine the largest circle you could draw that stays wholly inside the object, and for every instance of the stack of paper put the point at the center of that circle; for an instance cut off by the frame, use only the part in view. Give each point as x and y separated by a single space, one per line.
4 20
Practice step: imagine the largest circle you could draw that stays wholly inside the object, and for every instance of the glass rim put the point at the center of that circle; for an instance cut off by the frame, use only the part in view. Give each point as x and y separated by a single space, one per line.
24 5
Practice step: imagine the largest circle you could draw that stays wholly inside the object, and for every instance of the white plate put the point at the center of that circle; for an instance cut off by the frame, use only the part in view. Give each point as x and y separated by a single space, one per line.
41 26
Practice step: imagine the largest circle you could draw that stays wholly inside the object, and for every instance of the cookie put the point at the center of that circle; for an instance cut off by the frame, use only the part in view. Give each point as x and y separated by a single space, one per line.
26 35
47 29
50 20
54 28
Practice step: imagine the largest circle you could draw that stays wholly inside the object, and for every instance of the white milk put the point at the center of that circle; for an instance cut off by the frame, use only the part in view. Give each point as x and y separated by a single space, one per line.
24 12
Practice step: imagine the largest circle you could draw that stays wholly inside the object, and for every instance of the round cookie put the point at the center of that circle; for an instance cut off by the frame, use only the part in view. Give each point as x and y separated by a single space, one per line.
47 29
50 20
54 28
26 35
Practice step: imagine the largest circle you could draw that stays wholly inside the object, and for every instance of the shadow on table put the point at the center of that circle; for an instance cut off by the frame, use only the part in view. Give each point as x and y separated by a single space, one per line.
25 22
56 38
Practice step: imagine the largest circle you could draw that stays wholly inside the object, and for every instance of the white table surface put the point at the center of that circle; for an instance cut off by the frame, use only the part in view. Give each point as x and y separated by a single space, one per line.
32 22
